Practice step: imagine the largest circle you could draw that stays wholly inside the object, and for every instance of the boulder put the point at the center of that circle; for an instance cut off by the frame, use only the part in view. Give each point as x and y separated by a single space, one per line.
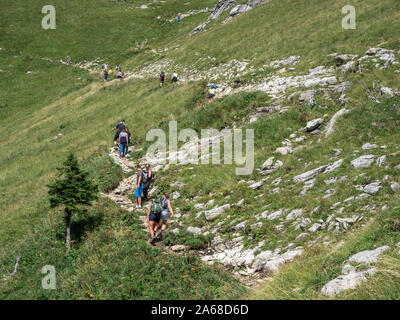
395 186
178 247
267 165
381 161
363 161
194 230
214 213
368 256
345 282
329 128
372 188
302 236
369 146
309 174
315 227
294 214
175 195
313 124
283 150
256 185
275 215
332 167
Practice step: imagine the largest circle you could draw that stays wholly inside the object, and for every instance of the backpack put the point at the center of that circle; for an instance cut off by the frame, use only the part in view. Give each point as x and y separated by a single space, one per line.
157 206
145 177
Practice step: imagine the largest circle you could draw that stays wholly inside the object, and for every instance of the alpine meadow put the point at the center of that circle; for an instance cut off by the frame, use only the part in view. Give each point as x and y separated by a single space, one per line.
200 150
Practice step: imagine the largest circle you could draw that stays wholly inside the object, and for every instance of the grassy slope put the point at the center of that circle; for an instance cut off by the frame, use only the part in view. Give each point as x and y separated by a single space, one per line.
54 100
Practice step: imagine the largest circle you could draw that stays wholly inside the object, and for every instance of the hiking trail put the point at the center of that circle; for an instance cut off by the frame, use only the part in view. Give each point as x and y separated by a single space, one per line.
120 196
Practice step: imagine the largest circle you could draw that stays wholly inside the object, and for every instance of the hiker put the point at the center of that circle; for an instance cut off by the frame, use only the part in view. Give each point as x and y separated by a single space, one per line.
166 206
139 186
178 18
119 75
118 68
123 143
174 77
147 180
158 210
119 127
162 78
212 91
68 59
105 71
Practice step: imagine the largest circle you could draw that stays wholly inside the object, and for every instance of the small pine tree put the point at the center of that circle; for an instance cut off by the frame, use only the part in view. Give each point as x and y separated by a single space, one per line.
72 190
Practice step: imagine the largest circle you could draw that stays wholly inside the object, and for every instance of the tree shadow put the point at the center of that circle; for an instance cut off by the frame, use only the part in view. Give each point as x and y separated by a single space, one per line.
81 225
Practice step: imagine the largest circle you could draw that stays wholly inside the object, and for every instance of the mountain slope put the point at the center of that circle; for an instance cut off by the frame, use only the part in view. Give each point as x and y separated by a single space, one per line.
246 57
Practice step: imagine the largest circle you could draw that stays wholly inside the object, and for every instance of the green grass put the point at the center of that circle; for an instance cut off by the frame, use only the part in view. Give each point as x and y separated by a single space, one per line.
110 258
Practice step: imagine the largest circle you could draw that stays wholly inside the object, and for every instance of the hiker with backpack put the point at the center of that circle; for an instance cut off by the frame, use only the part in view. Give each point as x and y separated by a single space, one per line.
166 207
123 143
212 91
119 127
104 68
174 77
162 78
147 180
139 186
157 211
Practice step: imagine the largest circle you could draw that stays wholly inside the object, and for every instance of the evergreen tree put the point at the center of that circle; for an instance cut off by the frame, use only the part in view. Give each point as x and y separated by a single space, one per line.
72 190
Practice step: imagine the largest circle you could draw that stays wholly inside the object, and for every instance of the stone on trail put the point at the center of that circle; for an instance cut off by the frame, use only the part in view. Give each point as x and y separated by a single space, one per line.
363 161
368 256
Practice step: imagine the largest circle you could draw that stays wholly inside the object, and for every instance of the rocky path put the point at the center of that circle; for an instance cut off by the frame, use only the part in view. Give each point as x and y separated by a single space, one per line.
120 196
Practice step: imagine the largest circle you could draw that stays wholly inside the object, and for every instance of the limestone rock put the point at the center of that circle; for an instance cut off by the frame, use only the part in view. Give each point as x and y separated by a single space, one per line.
368 256
178 247
345 282
194 230
216 212
395 186
363 161
372 188
309 174
313 124
294 214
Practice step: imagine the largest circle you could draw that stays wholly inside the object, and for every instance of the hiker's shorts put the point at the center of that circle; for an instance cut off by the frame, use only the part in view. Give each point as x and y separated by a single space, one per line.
139 191
164 215
155 218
